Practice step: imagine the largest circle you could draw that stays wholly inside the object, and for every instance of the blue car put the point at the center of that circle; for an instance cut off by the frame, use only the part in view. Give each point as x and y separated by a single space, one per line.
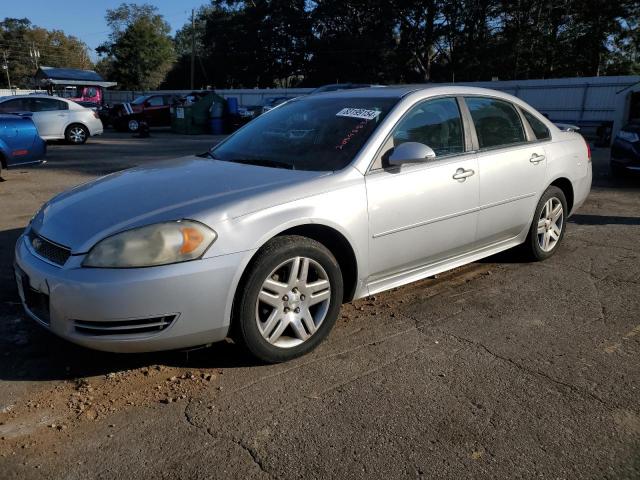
19 141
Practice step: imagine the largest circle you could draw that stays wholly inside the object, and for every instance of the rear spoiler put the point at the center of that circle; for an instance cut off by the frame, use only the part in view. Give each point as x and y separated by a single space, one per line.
566 127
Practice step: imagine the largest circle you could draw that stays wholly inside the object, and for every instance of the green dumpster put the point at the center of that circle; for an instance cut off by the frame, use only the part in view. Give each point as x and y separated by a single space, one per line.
193 118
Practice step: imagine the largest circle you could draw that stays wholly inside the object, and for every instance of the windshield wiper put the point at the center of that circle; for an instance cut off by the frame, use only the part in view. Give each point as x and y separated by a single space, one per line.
263 162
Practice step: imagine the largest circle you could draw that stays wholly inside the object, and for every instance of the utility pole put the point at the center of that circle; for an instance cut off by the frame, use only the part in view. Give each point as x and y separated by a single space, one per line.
5 67
193 46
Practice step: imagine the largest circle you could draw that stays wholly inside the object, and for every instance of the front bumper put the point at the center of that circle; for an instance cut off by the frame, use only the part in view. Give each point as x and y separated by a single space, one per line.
197 295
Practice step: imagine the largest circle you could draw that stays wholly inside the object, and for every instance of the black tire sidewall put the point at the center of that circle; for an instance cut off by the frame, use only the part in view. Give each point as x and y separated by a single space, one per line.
532 240
273 254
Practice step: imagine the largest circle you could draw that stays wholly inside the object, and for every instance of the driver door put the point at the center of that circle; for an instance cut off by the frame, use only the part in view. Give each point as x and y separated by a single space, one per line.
419 214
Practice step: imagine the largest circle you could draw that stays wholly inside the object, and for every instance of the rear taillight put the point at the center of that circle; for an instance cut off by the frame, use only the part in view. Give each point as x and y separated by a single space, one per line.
588 150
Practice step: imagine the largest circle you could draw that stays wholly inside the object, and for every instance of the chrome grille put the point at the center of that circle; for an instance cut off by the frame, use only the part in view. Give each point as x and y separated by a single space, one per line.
124 327
47 249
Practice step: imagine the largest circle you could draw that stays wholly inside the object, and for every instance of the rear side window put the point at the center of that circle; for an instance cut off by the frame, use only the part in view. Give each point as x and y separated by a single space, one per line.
539 129
47 105
435 123
497 122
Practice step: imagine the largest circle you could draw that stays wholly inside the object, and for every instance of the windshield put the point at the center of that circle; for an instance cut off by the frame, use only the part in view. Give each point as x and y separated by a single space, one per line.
140 100
320 134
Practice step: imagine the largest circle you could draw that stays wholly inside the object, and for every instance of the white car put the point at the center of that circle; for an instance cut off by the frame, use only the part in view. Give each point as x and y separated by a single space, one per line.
56 118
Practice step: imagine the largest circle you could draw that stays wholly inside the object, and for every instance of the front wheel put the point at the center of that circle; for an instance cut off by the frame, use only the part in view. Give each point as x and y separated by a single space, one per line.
289 299
548 226
133 125
76 134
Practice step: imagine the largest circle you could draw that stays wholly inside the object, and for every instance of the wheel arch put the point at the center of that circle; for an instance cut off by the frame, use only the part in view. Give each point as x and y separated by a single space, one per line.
334 240
564 184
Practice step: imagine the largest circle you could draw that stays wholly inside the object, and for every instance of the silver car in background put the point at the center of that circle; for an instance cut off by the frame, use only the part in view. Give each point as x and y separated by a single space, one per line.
323 200
56 118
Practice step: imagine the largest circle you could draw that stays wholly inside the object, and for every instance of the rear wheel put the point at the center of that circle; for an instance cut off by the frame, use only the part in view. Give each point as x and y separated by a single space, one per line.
289 300
76 134
548 226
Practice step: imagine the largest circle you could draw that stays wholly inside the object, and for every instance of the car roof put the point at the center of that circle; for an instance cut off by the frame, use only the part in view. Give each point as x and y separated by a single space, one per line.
33 95
399 91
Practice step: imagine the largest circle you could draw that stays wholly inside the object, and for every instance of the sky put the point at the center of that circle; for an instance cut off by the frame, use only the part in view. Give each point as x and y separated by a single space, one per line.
85 19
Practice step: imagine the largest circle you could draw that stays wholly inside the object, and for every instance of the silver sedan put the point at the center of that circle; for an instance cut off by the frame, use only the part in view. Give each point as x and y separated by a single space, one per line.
325 199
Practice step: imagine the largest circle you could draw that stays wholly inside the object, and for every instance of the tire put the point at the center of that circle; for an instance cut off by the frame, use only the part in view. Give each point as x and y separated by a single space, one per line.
299 310
133 125
547 228
76 134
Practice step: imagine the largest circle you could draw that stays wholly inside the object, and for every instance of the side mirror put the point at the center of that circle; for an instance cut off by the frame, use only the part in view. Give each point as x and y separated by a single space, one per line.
411 152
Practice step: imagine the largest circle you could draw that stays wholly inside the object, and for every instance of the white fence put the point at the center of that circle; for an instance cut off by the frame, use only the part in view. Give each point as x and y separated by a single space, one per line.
6 92
246 96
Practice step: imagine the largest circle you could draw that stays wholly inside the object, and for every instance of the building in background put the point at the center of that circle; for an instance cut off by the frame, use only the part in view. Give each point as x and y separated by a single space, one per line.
74 84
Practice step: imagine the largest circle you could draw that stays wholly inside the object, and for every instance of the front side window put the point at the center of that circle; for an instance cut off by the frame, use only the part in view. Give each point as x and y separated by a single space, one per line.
497 122
14 105
435 123
312 133
540 130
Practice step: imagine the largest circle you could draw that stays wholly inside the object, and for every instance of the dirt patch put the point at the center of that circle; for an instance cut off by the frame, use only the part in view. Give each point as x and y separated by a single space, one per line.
63 406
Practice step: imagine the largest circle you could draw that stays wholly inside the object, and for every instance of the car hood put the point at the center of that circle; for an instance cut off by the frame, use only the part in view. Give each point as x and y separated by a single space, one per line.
190 187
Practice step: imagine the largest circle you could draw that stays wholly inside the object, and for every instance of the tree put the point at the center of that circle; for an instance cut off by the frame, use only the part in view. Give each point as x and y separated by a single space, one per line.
354 41
140 50
27 46
265 43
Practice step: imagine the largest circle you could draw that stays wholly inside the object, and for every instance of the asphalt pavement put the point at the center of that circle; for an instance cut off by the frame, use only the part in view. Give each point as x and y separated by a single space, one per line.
500 369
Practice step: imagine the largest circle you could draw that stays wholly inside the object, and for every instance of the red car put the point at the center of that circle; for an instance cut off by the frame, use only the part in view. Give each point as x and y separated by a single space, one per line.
153 109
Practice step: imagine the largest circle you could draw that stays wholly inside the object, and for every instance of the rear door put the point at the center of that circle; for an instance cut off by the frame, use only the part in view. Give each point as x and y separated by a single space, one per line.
50 115
512 169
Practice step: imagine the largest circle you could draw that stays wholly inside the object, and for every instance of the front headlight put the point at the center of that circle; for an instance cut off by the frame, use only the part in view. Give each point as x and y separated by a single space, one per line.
157 244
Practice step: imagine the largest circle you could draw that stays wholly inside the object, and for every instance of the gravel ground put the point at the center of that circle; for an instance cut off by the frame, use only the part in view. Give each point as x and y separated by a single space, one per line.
500 369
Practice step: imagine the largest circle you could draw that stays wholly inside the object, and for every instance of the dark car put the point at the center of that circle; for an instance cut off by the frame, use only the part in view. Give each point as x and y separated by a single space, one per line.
103 111
625 151
19 141
155 110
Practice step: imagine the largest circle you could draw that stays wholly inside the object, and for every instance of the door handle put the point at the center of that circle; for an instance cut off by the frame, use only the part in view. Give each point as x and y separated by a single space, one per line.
462 174
535 158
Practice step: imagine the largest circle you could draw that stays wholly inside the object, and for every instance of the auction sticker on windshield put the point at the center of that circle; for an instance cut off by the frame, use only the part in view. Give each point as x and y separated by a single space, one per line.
358 113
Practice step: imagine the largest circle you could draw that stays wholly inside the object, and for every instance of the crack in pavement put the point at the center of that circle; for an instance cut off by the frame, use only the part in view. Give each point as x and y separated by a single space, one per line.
580 391
252 452
254 457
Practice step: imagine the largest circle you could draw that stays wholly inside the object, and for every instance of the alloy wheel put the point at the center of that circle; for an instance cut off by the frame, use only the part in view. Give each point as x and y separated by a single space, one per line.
293 302
77 135
550 224
133 125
